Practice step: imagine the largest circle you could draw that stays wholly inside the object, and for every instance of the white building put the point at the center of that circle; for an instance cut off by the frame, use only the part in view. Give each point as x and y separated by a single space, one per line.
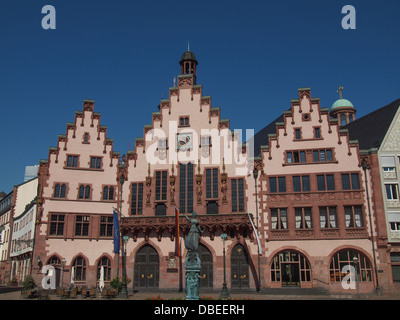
23 229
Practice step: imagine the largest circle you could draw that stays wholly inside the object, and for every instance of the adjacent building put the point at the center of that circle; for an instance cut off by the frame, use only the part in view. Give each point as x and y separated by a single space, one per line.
5 214
378 137
23 229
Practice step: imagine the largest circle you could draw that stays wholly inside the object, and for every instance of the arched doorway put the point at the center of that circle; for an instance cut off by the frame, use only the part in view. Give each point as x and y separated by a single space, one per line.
147 268
206 272
239 268
290 268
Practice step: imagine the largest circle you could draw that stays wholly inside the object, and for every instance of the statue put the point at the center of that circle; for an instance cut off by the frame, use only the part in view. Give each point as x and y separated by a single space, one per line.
192 239
192 261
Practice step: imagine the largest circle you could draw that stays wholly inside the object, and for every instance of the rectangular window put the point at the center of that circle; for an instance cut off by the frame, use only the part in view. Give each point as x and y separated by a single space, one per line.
317 133
205 141
321 182
57 224
161 185
82 226
72 161
106 226
237 195
306 183
297 134
95 162
322 155
327 217
296 156
325 182
272 185
395 226
212 183
345 182
137 199
282 184
277 184
353 178
301 183
162 144
279 218
296 184
392 191
355 181
186 188
183 121
330 182
353 216
303 218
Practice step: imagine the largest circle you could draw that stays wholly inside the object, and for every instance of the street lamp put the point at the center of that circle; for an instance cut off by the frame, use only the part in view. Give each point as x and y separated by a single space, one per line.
121 181
355 262
255 175
365 167
224 293
63 262
124 289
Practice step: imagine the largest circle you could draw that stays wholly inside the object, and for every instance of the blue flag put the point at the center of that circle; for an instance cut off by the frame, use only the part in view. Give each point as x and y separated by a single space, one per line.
116 232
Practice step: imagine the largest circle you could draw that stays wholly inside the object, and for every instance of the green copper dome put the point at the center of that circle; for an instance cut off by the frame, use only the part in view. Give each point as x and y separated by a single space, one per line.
342 103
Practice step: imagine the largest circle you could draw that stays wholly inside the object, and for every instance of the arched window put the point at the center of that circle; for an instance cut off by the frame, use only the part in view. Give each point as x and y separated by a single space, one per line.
57 191
108 193
106 264
290 268
353 258
105 193
87 192
81 192
54 261
84 192
79 266
343 121
63 190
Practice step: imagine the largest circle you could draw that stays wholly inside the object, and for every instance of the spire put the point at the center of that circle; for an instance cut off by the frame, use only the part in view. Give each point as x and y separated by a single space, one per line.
188 46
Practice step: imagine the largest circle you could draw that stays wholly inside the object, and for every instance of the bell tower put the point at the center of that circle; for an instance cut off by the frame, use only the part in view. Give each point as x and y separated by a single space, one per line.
188 63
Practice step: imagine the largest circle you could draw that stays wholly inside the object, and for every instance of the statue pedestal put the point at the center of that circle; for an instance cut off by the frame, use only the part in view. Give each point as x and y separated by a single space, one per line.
192 267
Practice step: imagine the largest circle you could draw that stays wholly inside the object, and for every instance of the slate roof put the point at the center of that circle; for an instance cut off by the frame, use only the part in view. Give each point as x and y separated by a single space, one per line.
370 130
261 137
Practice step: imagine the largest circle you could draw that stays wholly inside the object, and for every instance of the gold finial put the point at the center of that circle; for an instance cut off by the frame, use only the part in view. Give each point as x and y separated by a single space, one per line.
223 165
340 91
172 168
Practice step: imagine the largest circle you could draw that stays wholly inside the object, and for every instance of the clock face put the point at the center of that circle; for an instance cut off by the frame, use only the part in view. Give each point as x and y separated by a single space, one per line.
184 141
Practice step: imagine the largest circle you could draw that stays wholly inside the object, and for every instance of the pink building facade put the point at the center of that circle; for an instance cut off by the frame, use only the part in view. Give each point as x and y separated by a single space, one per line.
309 196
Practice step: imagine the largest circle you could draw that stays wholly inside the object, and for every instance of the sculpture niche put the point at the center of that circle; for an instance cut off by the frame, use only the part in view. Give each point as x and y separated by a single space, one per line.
192 261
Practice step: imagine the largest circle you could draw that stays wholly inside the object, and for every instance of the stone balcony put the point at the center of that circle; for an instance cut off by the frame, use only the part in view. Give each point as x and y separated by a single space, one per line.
136 226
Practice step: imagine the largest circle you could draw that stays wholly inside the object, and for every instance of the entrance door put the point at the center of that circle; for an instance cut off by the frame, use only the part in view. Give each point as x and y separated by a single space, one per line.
206 272
147 268
290 275
239 268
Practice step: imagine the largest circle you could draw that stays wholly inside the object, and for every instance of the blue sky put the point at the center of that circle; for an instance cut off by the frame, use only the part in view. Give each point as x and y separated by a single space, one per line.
253 56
